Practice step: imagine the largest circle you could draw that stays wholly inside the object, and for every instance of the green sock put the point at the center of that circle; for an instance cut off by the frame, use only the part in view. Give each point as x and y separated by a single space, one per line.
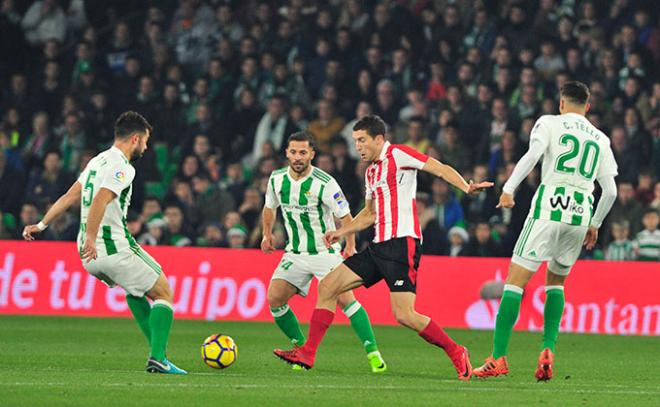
506 319
160 321
554 309
286 320
141 310
361 325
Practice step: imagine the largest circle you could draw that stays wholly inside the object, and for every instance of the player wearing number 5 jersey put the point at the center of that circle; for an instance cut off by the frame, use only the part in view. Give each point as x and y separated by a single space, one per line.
393 256
106 247
560 221
309 199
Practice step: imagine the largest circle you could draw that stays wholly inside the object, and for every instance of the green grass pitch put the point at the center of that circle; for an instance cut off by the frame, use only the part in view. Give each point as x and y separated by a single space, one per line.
47 361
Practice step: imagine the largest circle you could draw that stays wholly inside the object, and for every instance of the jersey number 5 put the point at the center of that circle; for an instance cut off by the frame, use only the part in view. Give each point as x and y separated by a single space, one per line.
87 200
588 159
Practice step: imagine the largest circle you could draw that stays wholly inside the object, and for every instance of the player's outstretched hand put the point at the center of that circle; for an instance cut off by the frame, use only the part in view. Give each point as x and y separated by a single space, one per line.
88 252
331 238
29 230
474 189
590 238
506 201
267 244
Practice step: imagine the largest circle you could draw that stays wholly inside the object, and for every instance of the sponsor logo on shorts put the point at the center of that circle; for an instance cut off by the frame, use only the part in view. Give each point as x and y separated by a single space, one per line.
398 283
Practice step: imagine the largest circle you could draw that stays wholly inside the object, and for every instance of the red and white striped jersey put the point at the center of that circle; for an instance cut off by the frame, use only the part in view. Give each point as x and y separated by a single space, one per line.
391 182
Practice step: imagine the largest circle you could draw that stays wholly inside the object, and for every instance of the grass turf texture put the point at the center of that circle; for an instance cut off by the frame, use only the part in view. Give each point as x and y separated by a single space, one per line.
52 361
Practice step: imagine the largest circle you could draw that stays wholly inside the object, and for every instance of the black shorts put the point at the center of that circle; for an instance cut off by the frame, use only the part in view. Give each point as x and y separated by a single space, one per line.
394 260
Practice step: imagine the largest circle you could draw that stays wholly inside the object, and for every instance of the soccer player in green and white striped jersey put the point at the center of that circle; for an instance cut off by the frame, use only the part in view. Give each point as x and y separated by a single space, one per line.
309 200
575 155
106 247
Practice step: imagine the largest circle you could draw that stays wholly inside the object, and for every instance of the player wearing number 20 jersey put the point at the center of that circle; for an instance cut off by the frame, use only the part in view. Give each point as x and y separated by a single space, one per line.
575 155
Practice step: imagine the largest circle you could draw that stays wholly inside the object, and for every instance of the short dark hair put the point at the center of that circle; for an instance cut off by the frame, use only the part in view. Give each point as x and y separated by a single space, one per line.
372 124
130 123
576 92
303 135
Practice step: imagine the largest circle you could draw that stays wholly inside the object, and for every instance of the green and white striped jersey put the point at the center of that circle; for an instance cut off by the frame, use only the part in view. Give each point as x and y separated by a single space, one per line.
109 169
307 206
648 244
620 251
575 154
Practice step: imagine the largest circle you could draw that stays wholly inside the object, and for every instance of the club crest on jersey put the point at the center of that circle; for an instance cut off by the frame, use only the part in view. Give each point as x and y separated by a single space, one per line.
119 176
340 199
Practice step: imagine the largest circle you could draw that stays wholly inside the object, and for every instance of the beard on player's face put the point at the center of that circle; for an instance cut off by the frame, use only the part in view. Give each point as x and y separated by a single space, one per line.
299 166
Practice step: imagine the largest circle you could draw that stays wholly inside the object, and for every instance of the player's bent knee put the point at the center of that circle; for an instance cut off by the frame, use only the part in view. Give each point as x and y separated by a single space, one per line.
276 299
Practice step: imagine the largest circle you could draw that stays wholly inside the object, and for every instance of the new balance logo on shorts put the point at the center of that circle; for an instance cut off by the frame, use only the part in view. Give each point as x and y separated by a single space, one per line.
398 283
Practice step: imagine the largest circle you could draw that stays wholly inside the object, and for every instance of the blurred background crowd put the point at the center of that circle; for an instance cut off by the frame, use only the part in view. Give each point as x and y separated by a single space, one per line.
225 82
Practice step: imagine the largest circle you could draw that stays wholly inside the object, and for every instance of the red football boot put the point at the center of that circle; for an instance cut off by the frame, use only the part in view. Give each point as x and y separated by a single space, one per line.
296 356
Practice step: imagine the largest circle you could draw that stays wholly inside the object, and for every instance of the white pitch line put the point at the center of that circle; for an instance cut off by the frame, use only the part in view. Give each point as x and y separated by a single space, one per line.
342 387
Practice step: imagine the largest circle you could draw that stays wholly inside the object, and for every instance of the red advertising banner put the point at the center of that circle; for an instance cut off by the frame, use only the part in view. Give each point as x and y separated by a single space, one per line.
47 278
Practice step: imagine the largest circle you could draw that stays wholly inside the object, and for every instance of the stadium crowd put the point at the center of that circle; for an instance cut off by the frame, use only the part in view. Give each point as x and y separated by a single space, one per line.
225 82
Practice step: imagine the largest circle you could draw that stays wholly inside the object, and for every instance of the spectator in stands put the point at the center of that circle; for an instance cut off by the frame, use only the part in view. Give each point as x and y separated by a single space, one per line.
626 208
415 135
38 142
28 216
212 236
46 185
44 20
177 231
621 248
211 203
325 126
458 240
274 126
483 244
647 242
472 64
10 180
73 142
237 237
447 209
434 239
453 151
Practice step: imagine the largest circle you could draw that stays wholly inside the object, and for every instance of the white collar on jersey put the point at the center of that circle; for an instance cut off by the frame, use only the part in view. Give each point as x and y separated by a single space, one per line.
117 150
383 152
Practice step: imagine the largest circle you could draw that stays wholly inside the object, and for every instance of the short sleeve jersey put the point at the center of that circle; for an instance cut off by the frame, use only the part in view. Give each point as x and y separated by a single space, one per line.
111 170
307 206
575 154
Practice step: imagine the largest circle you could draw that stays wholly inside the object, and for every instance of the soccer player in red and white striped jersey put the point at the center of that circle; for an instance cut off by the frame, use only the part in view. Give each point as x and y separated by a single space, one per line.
390 207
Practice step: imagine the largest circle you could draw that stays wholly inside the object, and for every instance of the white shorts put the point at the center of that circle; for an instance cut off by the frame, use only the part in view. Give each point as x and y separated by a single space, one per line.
542 240
298 269
135 272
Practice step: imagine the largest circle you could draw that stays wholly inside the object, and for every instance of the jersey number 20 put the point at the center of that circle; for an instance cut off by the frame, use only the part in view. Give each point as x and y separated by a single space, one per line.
588 159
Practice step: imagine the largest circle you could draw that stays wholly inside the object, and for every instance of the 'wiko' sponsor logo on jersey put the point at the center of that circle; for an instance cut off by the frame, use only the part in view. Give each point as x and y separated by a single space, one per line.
565 203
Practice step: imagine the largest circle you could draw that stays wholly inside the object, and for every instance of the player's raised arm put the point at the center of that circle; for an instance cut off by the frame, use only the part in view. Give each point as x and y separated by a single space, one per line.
59 207
449 174
538 142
